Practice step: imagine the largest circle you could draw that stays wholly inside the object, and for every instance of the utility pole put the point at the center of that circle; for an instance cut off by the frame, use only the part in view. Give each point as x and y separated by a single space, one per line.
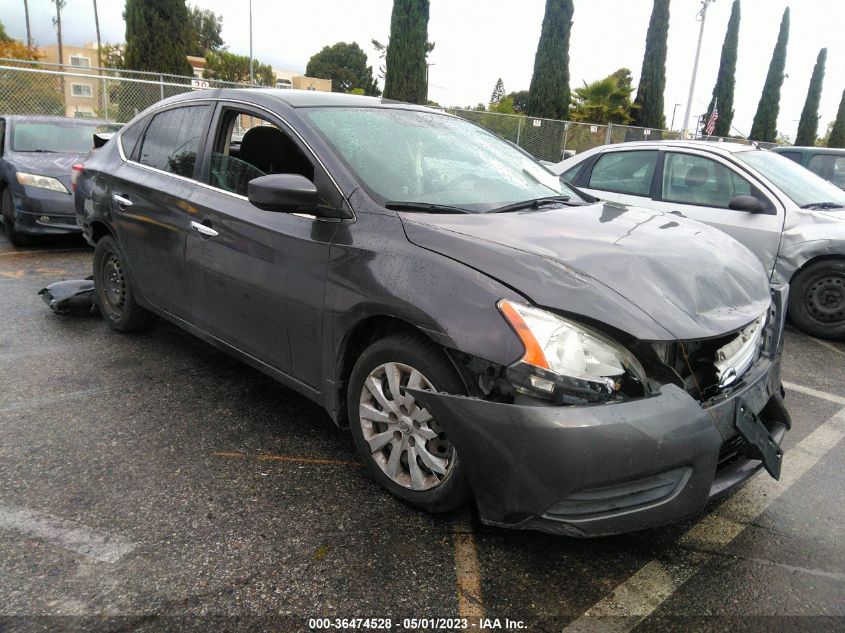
701 17
675 109
251 74
28 28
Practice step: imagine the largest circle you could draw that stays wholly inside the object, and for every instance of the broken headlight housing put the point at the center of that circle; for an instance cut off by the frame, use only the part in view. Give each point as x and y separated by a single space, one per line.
568 362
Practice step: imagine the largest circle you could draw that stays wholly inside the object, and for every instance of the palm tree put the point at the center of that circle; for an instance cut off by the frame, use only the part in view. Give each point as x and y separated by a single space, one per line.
99 44
604 101
57 22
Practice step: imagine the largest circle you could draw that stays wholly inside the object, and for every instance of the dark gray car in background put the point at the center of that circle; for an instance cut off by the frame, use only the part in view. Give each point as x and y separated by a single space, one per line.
575 367
36 157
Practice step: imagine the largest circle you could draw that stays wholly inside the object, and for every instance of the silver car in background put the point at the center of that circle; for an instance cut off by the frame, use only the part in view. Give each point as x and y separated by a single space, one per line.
790 218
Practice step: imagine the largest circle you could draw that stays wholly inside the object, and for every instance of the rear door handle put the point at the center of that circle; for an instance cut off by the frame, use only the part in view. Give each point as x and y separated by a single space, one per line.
202 229
123 202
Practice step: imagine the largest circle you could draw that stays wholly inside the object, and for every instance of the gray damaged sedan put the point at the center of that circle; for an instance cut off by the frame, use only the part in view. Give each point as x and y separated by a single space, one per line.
484 331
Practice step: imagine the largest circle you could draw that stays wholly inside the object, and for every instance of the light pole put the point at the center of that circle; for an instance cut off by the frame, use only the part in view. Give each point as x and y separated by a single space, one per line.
701 17
251 74
675 109
427 66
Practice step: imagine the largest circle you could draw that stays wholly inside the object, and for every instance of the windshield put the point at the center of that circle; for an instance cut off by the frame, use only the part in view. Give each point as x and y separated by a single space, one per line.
802 186
430 158
55 136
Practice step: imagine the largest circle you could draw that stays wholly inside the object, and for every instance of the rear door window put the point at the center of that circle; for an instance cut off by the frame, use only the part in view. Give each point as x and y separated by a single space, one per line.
173 138
129 137
625 172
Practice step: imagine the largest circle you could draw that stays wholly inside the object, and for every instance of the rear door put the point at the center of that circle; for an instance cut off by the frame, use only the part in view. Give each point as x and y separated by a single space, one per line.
150 204
701 186
260 275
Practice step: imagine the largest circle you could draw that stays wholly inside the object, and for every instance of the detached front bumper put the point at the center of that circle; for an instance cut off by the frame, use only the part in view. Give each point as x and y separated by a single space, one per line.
605 469
612 468
44 212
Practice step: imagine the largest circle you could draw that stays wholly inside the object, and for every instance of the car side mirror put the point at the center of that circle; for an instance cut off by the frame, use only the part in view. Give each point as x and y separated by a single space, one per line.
285 193
749 204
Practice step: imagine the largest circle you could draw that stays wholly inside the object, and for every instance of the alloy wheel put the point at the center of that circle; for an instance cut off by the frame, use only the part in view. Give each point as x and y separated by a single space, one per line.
114 285
404 438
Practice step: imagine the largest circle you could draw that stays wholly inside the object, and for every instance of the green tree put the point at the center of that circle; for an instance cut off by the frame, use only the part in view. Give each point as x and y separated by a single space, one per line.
405 75
346 65
808 125
498 92
723 91
155 36
204 31
4 37
226 66
649 99
520 101
548 94
765 125
837 132
604 101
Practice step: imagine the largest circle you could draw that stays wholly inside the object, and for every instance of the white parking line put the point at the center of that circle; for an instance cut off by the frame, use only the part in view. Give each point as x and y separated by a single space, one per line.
71 536
823 395
639 596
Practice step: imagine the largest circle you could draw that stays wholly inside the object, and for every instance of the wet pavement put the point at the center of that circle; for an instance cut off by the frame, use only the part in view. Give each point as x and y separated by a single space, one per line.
150 482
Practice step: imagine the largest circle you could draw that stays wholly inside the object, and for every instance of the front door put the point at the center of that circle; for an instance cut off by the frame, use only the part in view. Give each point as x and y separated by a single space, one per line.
260 274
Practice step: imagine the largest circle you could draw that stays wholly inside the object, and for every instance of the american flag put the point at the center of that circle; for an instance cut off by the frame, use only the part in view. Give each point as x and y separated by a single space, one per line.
711 122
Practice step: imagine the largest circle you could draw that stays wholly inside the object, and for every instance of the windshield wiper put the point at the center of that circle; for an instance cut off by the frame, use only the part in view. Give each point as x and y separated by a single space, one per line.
424 207
822 205
536 203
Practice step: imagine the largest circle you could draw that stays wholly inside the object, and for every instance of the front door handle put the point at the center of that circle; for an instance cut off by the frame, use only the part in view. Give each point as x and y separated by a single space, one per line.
123 202
202 229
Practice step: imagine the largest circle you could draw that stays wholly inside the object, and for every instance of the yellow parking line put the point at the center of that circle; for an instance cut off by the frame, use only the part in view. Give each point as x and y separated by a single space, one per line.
467 572
287 458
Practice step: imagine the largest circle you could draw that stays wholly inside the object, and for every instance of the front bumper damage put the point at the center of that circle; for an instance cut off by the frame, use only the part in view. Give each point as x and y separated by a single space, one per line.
611 468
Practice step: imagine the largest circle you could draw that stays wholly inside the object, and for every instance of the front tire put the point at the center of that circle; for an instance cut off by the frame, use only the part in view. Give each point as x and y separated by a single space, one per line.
8 209
817 300
113 289
404 448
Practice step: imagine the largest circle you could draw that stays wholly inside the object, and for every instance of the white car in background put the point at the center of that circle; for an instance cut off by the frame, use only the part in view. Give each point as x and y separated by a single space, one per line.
790 218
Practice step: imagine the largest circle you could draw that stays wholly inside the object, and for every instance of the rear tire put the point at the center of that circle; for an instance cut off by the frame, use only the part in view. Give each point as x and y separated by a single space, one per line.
8 208
113 289
413 458
817 300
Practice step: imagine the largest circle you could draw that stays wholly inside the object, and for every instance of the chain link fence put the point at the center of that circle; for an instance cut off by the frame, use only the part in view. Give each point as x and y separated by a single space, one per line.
552 140
102 93
118 95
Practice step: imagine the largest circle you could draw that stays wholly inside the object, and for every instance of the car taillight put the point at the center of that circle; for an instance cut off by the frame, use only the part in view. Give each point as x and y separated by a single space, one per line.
75 173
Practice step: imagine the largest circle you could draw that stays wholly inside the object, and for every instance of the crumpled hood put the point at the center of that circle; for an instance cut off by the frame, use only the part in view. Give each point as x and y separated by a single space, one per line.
54 164
652 275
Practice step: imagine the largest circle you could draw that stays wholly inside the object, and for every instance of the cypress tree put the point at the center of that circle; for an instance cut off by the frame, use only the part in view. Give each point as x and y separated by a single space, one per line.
548 94
808 125
404 77
765 125
648 111
837 133
156 32
723 91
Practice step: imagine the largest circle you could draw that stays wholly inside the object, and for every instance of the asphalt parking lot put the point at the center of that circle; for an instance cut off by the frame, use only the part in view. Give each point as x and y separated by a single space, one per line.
149 480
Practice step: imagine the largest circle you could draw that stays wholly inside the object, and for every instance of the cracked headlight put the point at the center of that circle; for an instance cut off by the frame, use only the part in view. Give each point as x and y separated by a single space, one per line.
42 182
564 356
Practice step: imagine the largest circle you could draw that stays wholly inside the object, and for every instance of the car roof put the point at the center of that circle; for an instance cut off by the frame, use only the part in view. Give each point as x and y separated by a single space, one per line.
717 147
295 98
837 151
63 119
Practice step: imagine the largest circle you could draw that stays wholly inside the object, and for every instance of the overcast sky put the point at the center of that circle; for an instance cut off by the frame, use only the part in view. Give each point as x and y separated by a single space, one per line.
478 41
